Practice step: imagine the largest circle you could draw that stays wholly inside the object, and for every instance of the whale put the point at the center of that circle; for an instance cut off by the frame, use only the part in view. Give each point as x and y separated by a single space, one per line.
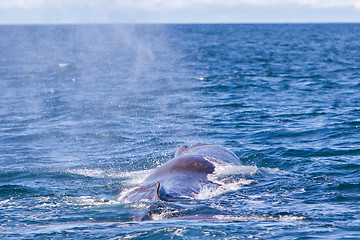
182 177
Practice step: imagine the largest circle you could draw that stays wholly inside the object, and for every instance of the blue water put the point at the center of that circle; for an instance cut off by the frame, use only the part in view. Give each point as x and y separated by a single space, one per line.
87 110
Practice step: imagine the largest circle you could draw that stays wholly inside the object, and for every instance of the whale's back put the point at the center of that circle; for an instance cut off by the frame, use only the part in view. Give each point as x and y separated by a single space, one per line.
209 151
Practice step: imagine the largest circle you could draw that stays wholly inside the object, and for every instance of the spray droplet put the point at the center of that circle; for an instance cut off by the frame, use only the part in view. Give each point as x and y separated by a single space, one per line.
62 65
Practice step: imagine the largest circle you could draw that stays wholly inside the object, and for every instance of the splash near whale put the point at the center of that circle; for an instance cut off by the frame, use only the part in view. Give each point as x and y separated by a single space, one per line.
183 177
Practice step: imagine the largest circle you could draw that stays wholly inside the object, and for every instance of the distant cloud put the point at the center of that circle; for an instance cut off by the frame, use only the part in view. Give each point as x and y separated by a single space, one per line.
189 3
177 11
174 4
21 3
328 3
53 3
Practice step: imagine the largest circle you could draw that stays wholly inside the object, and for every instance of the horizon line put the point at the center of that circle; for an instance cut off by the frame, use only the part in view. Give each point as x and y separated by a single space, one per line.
182 23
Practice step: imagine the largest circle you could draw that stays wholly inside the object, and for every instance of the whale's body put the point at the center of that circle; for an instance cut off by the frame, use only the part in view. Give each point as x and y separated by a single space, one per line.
184 176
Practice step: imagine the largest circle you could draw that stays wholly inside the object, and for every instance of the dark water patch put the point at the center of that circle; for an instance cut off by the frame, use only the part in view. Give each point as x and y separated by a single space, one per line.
350 167
324 152
346 187
343 198
354 124
15 191
229 105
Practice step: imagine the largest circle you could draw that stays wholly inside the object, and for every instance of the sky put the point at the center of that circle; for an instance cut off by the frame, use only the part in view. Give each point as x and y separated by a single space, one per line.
178 11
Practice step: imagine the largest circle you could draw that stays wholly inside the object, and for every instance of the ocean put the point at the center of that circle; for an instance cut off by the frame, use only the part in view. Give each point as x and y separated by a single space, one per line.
87 111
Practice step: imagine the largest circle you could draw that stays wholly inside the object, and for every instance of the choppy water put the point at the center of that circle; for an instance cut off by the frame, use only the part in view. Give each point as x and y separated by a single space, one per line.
86 111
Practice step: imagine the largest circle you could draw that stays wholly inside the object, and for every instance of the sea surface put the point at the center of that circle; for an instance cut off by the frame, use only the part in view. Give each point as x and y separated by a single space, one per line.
86 111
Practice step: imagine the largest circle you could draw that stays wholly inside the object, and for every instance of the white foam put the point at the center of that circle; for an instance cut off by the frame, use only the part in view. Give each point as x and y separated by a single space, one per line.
227 178
230 169
202 78
259 218
210 192
5 203
62 65
97 173
88 201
